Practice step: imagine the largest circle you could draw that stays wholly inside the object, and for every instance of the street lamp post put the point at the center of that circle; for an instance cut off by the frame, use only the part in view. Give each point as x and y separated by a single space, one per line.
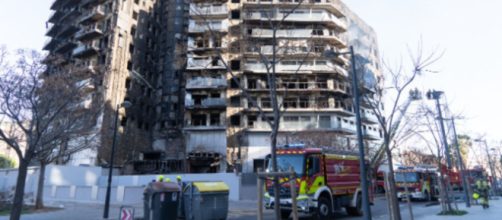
490 164
362 164
125 104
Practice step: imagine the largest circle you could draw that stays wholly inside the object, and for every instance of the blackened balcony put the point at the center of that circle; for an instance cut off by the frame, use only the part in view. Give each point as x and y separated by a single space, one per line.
89 33
56 16
70 3
93 15
86 3
53 30
68 30
65 46
206 83
206 103
50 44
85 50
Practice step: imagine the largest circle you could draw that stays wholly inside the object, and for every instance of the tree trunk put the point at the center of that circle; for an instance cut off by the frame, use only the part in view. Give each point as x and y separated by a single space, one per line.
17 204
392 199
39 201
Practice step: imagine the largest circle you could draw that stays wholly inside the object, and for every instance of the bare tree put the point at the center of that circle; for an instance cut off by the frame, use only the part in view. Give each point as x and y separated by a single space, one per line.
397 85
49 112
430 136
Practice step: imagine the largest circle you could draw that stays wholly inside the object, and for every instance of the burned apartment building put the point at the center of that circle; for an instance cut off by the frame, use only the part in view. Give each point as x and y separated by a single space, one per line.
130 45
195 75
227 89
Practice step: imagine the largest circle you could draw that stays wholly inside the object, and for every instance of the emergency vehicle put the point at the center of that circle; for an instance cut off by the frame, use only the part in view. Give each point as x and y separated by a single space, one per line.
420 182
325 182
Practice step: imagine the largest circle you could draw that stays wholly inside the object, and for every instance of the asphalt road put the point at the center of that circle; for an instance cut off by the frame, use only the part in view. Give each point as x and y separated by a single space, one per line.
247 211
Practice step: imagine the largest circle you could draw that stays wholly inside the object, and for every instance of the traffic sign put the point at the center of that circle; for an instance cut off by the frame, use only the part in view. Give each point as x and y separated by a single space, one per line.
126 213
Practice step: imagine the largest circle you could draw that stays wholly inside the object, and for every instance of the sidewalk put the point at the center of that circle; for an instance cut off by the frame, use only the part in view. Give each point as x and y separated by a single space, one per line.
85 211
474 212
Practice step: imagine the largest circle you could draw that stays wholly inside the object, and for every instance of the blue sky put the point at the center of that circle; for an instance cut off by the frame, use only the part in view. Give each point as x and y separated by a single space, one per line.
469 31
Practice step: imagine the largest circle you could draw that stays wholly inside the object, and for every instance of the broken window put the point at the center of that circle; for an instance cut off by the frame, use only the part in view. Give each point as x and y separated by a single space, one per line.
235 101
304 102
252 120
236 14
235 64
198 120
234 83
235 120
214 119
266 103
251 83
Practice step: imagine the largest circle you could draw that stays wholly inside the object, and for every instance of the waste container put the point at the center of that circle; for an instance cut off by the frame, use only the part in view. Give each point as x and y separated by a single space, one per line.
161 200
206 201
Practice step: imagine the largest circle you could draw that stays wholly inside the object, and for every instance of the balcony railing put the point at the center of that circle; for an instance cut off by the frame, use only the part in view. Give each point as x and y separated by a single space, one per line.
89 32
65 46
204 63
299 66
300 34
203 26
93 15
53 29
344 126
50 44
207 103
369 117
67 30
206 44
85 50
206 83
371 134
324 17
55 16
208 10
91 2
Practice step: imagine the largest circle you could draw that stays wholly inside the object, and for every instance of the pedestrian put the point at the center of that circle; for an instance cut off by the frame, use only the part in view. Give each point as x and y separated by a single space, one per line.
482 189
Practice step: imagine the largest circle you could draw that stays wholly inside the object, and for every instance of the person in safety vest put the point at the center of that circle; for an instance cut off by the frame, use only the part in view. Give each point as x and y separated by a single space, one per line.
481 191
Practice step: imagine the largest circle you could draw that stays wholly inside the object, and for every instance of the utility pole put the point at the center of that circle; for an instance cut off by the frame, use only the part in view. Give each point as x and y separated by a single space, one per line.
461 166
437 95
492 169
362 162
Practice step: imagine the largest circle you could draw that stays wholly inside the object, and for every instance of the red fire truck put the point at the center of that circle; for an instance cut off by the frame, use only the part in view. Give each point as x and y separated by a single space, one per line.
454 177
420 182
325 182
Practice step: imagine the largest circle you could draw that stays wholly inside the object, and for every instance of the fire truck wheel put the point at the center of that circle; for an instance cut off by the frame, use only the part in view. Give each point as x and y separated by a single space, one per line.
324 209
358 210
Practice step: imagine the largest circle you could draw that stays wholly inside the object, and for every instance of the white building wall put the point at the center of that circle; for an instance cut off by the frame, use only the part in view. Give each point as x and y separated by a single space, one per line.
88 184
208 141
258 147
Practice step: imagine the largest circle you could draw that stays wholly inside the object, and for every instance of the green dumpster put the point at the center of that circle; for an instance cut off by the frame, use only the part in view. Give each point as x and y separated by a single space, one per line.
206 201
161 200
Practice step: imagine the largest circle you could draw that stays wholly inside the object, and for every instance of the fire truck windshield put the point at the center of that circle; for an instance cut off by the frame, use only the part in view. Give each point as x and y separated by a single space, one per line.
406 177
285 161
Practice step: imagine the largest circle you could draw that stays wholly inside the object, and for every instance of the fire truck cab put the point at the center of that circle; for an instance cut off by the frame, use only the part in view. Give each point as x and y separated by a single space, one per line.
324 182
419 182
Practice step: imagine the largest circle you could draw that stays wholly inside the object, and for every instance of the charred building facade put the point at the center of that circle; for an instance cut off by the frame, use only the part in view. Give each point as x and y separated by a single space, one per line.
196 72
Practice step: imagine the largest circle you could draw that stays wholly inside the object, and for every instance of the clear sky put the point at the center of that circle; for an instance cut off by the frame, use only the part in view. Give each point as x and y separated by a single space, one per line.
469 31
